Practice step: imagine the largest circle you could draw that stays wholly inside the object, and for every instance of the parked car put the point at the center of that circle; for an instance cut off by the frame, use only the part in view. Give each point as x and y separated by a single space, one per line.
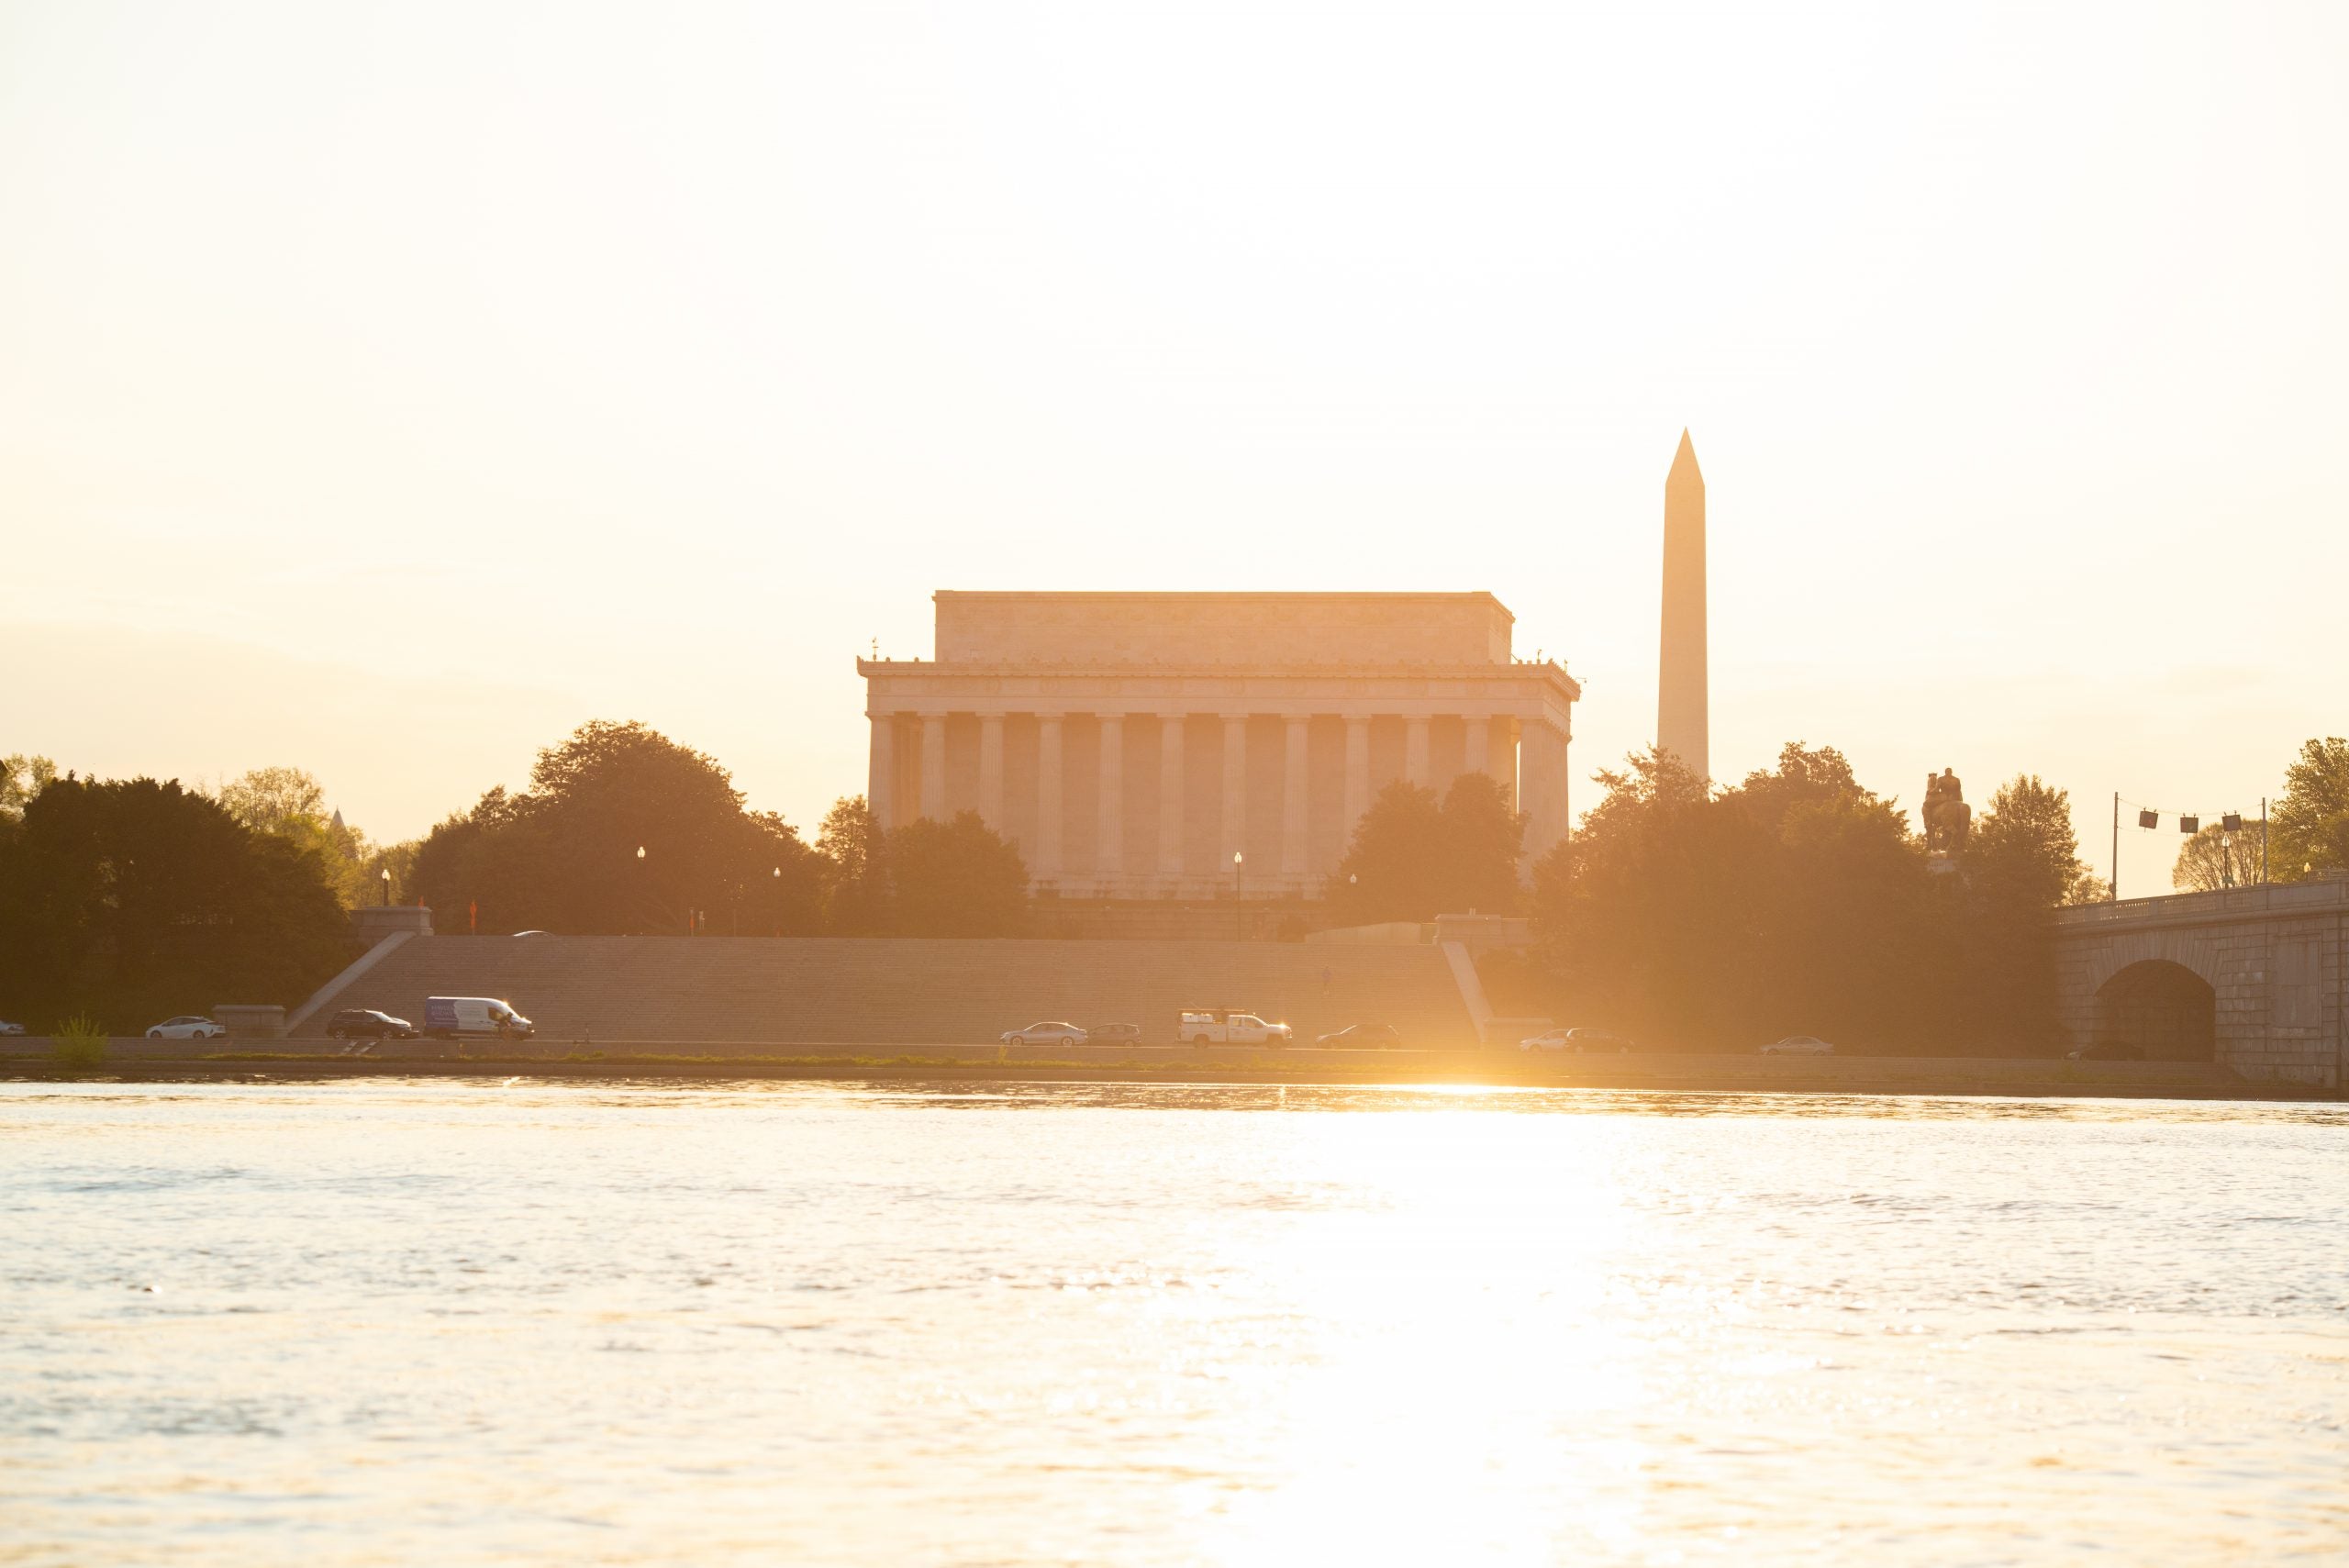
7 1027
1798 1045
1577 1040
365 1023
448 1017
187 1026
1044 1034
1362 1037
530 933
2109 1051
1227 1026
1114 1034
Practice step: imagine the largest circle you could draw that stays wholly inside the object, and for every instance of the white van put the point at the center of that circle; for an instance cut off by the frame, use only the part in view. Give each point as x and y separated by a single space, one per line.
1227 1026
450 1018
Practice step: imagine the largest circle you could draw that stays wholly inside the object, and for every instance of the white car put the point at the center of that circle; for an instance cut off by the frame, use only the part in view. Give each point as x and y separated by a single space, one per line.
1583 1040
7 1027
1044 1034
187 1027
1798 1045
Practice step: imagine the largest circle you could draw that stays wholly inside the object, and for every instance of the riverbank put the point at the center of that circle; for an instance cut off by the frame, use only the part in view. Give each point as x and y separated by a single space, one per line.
195 1060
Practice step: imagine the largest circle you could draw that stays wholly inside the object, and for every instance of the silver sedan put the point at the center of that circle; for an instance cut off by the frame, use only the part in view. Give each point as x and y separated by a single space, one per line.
1044 1034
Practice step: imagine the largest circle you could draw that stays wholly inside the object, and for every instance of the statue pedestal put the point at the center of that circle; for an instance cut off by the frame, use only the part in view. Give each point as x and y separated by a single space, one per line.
1940 863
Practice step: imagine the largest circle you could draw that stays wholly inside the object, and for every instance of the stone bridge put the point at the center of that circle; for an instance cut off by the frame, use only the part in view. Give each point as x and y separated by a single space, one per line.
2251 978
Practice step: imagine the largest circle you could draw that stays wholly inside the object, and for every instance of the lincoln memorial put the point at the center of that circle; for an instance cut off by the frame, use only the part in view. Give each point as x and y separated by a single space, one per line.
1130 744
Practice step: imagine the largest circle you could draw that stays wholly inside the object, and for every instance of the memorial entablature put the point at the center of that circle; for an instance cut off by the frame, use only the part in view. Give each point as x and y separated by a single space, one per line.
1131 744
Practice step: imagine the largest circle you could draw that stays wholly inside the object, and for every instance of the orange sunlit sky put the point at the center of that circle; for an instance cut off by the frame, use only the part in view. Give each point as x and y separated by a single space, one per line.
386 390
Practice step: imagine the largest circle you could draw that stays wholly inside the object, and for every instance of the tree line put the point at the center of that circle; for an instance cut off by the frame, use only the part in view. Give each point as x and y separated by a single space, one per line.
1798 901
625 832
1794 901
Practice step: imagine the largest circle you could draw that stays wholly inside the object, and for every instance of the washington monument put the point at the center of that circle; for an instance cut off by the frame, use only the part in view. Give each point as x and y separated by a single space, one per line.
1681 725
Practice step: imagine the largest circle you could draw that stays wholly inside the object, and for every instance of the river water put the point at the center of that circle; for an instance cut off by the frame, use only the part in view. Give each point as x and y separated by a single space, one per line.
397 1322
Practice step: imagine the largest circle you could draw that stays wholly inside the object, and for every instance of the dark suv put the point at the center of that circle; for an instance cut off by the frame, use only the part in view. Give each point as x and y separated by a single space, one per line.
365 1023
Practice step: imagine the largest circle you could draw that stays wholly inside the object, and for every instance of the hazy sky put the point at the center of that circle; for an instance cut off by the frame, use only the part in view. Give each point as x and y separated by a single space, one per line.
387 389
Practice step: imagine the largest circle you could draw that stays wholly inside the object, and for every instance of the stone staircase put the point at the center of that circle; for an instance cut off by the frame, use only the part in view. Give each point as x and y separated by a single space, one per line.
906 991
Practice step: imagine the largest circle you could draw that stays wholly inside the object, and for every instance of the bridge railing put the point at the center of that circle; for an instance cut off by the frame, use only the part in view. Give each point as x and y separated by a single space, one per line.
2319 894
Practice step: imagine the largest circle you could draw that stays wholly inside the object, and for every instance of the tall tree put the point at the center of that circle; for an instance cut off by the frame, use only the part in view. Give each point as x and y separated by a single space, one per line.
2214 858
290 804
2026 838
21 779
1413 859
2311 832
565 854
274 799
955 879
1482 839
856 878
1394 868
132 900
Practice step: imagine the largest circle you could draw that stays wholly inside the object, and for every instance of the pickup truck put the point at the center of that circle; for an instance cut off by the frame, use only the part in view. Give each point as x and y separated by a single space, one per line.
1225 1025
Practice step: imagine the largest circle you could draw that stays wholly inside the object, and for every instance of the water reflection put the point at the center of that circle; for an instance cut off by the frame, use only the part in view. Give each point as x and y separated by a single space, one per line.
386 1322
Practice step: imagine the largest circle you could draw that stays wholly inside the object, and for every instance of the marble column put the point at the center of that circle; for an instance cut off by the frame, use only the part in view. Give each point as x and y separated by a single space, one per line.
881 778
1415 749
1048 798
1110 837
1477 757
934 766
1357 771
1293 820
1235 791
1171 819
991 769
1543 757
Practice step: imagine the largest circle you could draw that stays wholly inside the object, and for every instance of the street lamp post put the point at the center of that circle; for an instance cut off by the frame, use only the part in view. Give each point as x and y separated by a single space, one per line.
1239 919
387 888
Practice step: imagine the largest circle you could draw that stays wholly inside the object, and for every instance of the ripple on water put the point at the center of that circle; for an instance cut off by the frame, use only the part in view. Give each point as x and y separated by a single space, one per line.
399 1321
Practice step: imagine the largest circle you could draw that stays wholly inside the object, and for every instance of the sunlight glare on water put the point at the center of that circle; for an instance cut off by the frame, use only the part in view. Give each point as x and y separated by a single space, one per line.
380 1322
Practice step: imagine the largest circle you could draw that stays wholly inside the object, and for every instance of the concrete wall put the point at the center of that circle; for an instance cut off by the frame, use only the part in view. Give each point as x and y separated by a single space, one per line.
898 991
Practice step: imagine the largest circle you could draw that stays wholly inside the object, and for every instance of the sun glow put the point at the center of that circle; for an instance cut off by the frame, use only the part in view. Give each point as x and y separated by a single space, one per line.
1474 1278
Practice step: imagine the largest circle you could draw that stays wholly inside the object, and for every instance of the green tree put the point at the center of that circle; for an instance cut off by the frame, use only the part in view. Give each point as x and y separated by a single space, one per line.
2215 859
1648 914
2310 831
562 856
2026 843
1412 859
291 804
1799 901
132 900
856 878
397 858
955 879
22 778
1482 841
275 800
1394 868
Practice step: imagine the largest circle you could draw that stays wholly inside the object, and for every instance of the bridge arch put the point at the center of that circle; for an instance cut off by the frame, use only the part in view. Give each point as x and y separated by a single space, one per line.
2163 1007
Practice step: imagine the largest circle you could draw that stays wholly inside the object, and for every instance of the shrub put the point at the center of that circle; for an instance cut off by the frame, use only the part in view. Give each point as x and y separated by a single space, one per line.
78 1045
